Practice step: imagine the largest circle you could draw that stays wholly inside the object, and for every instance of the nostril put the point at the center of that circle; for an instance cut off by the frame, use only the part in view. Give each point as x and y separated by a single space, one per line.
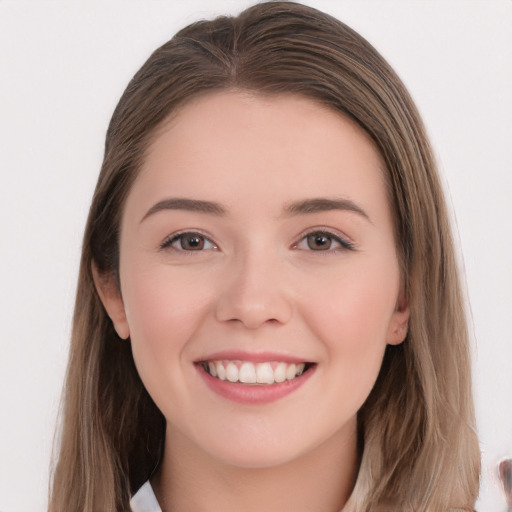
253 311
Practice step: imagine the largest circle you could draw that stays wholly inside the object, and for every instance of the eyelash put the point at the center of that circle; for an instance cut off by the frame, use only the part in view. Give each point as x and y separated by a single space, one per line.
343 242
169 241
345 245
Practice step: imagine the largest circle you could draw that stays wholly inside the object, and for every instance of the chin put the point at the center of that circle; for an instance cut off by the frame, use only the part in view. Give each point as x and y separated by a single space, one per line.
254 450
255 458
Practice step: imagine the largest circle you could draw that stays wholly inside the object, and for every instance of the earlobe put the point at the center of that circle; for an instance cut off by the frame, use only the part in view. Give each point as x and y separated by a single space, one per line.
112 301
399 324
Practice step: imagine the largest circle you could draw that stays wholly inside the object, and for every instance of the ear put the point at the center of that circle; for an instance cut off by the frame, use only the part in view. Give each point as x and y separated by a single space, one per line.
110 296
398 325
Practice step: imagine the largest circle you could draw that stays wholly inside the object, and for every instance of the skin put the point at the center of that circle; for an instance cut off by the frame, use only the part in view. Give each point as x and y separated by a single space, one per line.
259 285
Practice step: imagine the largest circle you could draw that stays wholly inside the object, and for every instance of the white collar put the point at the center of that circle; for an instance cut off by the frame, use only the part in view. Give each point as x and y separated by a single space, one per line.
144 500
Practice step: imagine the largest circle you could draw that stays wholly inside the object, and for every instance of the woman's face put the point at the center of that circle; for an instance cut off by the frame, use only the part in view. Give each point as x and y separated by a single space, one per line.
259 276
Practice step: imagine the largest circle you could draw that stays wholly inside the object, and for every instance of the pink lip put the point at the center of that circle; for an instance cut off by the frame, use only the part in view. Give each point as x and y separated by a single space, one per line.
253 357
252 393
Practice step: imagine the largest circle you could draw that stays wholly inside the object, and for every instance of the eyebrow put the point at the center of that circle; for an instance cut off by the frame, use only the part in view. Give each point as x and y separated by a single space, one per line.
191 205
322 204
303 207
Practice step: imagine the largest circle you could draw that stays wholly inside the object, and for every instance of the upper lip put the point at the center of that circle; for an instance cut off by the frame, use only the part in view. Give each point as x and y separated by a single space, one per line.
254 357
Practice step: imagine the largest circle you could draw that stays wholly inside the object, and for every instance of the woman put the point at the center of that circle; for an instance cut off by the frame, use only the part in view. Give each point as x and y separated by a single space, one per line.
268 307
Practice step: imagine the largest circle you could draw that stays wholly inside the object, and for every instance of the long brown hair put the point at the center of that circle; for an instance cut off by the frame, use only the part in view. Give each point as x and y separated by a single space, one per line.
419 448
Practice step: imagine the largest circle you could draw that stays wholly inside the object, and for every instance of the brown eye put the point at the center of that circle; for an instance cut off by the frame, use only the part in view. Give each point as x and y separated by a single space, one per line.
192 242
319 241
325 241
189 242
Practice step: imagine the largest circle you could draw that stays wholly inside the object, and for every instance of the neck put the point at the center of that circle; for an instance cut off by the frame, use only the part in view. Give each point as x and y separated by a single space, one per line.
322 480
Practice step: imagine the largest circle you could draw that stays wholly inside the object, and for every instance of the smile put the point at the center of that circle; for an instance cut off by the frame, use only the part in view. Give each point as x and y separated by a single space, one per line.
247 372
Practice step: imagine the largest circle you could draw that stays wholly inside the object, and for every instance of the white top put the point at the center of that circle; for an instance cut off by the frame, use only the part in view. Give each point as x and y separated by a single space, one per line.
144 500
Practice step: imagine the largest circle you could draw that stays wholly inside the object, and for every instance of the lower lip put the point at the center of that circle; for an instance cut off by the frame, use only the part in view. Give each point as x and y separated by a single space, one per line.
254 393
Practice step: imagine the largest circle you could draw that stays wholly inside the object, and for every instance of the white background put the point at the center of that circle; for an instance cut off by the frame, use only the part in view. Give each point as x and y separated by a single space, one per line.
63 66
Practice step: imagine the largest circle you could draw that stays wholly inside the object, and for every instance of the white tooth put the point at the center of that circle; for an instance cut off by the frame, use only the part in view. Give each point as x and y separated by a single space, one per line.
232 372
212 369
264 373
247 373
280 372
221 371
291 371
300 369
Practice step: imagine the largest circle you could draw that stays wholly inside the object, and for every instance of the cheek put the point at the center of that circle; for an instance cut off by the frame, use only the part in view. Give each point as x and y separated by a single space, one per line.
352 313
163 314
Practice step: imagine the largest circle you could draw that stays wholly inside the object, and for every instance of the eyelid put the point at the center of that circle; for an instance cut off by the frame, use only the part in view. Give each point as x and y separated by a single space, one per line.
335 235
343 240
170 239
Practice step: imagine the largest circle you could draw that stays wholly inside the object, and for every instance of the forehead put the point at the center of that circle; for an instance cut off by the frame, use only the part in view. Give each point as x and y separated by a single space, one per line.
232 144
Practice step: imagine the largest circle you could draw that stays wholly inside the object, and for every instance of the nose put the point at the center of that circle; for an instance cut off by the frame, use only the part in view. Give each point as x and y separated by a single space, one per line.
255 293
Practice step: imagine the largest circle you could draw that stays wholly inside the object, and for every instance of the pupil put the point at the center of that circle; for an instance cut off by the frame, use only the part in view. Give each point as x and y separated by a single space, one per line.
194 242
319 242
